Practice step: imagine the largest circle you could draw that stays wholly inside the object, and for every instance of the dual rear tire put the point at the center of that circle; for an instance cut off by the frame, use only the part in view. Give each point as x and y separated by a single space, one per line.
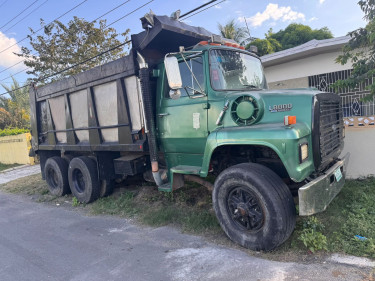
78 175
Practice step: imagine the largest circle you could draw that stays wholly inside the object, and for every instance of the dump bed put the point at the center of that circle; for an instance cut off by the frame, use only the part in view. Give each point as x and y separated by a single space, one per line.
101 109
96 110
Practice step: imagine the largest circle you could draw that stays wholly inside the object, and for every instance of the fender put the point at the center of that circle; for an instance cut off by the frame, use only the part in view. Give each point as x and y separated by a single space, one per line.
284 140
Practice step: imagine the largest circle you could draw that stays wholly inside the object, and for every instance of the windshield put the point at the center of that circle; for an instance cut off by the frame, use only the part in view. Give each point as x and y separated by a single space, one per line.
232 70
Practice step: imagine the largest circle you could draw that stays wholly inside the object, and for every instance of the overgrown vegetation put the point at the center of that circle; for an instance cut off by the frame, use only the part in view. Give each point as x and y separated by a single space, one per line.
189 207
15 107
7 166
312 236
351 213
293 35
63 45
13 131
360 52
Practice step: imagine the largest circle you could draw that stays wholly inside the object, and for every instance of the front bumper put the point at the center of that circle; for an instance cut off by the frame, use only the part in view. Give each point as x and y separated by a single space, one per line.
315 196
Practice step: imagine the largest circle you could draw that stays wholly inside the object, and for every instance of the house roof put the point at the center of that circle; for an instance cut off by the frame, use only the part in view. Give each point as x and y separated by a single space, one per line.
311 48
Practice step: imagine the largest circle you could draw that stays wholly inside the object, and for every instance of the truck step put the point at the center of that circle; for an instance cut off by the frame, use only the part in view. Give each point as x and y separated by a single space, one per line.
165 187
186 170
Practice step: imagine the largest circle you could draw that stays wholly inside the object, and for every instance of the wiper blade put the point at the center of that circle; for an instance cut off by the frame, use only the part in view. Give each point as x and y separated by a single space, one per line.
251 86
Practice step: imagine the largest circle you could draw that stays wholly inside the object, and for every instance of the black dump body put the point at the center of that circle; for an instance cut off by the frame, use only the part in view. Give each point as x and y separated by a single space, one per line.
101 109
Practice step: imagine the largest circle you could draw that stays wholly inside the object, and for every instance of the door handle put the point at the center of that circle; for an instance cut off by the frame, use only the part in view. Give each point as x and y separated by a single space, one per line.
163 114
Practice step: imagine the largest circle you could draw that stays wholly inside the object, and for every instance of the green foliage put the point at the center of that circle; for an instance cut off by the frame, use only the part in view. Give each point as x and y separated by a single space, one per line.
313 223
352 213
15 107
360 51
232 31
62 46
313 240
311 235
296 34
12 131
7 166
265 46
75 202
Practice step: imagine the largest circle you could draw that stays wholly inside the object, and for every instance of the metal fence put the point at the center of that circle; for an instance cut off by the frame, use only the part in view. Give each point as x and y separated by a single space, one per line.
353 100
356 105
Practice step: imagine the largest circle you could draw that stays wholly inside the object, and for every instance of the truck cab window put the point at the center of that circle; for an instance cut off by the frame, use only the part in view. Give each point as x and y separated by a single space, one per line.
188 81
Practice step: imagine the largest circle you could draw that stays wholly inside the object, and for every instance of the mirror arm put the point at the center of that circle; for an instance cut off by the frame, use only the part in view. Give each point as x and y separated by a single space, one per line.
195 78
194 96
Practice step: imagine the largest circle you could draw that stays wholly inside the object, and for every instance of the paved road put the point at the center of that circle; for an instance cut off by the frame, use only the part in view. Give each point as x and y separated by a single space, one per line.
18 172
44 242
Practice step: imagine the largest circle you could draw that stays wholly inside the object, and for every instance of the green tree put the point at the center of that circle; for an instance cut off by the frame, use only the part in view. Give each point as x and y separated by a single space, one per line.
15 109
265 46
296 34
360 51
232 31
62 46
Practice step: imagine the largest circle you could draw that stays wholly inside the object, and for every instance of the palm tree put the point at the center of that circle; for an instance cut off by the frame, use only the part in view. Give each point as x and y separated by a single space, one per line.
232 31
15 105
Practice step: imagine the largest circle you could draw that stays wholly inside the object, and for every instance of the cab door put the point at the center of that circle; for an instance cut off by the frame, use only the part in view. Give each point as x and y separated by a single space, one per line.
182 122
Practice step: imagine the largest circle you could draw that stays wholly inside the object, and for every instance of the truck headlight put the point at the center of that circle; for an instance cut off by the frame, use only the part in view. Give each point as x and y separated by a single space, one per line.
303 152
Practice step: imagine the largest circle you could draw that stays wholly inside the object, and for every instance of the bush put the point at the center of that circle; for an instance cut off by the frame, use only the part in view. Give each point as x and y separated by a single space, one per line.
12 131
311 235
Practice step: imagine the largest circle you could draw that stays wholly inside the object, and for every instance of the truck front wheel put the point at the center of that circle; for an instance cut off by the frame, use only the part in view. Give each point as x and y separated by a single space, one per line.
83 179
254 206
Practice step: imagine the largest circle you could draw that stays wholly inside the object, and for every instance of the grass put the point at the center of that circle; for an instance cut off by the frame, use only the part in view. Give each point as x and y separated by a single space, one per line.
7 166
189 207
351 213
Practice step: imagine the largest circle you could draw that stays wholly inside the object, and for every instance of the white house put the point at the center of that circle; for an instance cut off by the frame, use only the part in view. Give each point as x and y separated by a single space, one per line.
313 65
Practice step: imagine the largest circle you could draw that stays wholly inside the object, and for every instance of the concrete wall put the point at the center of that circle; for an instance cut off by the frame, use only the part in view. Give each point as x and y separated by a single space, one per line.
314 65
15 149
359 142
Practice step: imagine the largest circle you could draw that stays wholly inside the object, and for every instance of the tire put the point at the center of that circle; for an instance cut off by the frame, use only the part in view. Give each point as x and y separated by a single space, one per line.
56 174
106 187
83 179
254 206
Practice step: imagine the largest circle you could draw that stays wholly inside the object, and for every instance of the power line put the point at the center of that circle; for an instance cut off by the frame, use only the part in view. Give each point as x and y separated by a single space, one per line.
70 67
121 18
204 9
14 74
19 13
26 15
3 3
115 8
197 8
110 11
128 14
47 24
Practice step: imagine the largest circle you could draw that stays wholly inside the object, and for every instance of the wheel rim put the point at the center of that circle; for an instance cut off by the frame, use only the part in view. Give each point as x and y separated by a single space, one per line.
53 180
245 209
78 181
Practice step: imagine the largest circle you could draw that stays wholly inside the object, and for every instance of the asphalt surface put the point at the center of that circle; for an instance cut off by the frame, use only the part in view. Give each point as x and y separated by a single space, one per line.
47 242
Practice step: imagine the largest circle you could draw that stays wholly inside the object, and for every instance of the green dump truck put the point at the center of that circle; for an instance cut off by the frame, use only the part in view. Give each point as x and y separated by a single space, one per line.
183 105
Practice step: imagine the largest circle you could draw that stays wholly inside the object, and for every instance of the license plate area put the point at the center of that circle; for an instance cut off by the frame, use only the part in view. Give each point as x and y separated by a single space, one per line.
338 174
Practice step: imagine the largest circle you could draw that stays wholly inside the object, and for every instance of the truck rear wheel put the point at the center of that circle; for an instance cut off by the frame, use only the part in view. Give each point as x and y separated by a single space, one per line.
83 179
56 173
106 187
254 206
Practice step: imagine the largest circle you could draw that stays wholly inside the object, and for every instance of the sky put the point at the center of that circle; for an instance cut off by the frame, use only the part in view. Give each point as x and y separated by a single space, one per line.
16 17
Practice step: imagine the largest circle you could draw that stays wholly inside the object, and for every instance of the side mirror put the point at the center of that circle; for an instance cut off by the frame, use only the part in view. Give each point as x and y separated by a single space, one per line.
173 72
